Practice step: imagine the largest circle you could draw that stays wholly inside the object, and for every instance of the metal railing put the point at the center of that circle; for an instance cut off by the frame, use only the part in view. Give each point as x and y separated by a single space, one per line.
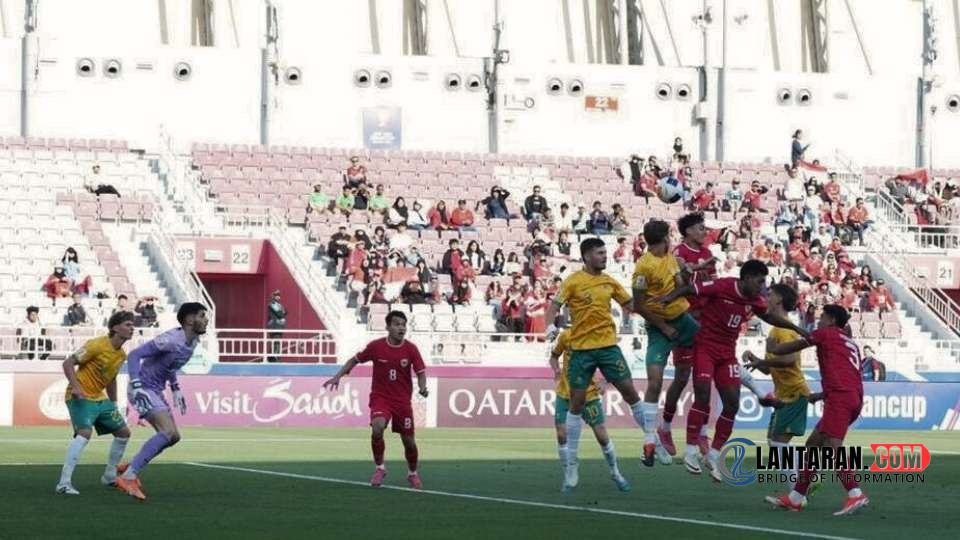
266 345
57 342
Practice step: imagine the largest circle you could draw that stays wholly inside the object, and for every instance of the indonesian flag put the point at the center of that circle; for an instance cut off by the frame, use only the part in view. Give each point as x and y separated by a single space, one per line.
919 175
811 167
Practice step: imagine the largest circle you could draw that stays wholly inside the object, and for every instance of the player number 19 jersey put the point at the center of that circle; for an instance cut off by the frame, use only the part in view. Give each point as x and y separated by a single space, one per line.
392 368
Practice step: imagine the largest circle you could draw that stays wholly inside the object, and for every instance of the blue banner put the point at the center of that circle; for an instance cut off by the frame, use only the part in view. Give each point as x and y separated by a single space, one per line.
382 128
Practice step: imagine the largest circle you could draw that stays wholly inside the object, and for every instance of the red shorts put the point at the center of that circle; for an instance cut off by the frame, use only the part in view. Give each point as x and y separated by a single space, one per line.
839 412
398 414
682 356
711 364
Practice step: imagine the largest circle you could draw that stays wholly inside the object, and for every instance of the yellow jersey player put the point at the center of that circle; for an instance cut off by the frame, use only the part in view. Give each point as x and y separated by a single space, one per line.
592 412
92 398
593 341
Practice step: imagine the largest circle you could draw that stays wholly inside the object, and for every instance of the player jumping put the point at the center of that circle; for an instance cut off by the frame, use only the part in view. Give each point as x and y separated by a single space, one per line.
657 273
151 366
393 359
593 342
729 303
699 265
592 413
839 359
92 398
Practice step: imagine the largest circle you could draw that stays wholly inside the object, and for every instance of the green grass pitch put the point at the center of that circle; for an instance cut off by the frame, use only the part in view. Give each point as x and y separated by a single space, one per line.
480 483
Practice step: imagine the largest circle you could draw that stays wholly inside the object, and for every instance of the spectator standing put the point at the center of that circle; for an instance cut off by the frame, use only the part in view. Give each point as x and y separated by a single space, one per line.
512 311
30 334
451 258
797 148
535 306
416 219
356 174
76 314
677 147
438 217
462 217
317 202
872 369
794 186
276 320
534 205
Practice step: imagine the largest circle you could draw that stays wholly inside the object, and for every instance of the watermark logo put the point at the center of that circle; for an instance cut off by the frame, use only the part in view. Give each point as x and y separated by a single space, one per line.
736 475
900 457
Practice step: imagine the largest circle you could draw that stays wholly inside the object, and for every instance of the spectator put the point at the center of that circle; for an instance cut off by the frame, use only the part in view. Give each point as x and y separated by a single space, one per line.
424 275
93 184
76 314
361 198
824 234
541 269
57 284
776 256
513 265
346 201
794 190
831 191
146 312
398 213
462 293
378 203
764 252
865 280
534 204
71 268
511 311
276 320
618 221
416 219
703 200
413 293
599 221
879 298
338 248
475 256
495 267
872 369
451 258
29 333
361 236
812 208
563 221
563 244
438 217
581 220
646 187
401 241
787 214
462 217
376 292
356 174
734 197
653 168
677 147
495 205
639 246
380 241
634 169
753 199
535 306
121 305
813 268
858 219
620 255
797 148
359 276
494 296
318 202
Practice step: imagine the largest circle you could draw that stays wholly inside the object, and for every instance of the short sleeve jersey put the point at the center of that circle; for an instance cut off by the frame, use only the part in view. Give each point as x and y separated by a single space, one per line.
839 359
589 299
392 368
99 363
788 382
656 276
691 256
562 347
725 309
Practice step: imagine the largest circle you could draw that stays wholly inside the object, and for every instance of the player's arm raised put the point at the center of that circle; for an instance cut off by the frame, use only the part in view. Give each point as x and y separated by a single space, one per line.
781 322
334 382
789 347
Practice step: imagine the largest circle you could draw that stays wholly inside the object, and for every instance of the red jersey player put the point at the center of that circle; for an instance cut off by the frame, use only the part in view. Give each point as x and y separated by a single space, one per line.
699 265
839 359
393 359
728 303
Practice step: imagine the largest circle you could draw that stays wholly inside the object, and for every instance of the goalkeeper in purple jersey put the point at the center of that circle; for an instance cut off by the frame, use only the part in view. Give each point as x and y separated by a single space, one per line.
151 366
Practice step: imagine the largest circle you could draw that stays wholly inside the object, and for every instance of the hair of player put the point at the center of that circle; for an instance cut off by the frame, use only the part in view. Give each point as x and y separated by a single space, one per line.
189 308
788 296
655 231
395 314
589 245
119 317
838 313
753 268
689 220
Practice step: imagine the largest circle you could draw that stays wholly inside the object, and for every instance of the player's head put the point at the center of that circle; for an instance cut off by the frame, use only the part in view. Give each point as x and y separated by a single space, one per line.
753 277
396 325
193 316
594 254
834 315
656 233
121 324
691 227
784 296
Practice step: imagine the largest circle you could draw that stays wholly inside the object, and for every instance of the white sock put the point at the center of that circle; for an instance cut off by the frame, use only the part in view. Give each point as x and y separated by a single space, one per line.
610 454
713 454
796 498
562 454
855 492
666 426
781 448
116 453
74 450
649 422
637 410
704 429
692 450
382 466
746 379
574 424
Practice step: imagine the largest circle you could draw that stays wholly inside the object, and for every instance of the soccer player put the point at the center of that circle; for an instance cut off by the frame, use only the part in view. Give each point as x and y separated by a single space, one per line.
729 303
839 359
92 398
592 413
789 385
393 359
657 273
151 366
699 265
593 341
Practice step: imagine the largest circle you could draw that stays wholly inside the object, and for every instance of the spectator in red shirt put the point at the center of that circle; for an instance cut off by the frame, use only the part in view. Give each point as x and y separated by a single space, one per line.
462 217
58 284
813 268
839 216
512 311
798 251
858 219
356 174
752 199
849 297
776 256
762 252
704 200
880 298
831 191
646 187
438 217
620 254
639 246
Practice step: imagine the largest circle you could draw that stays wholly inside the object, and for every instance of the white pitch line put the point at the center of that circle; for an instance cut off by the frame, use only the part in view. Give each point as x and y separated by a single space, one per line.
521 502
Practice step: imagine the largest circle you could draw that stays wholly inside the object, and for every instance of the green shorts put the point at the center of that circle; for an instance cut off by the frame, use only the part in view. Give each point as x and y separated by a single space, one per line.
609 360
791 419
592 412
659 347
101 415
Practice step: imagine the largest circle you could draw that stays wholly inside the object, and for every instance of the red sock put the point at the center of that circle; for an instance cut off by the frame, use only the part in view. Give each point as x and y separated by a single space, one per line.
411 454
669 409
379 446
721 432
695 420
846 476
803 479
